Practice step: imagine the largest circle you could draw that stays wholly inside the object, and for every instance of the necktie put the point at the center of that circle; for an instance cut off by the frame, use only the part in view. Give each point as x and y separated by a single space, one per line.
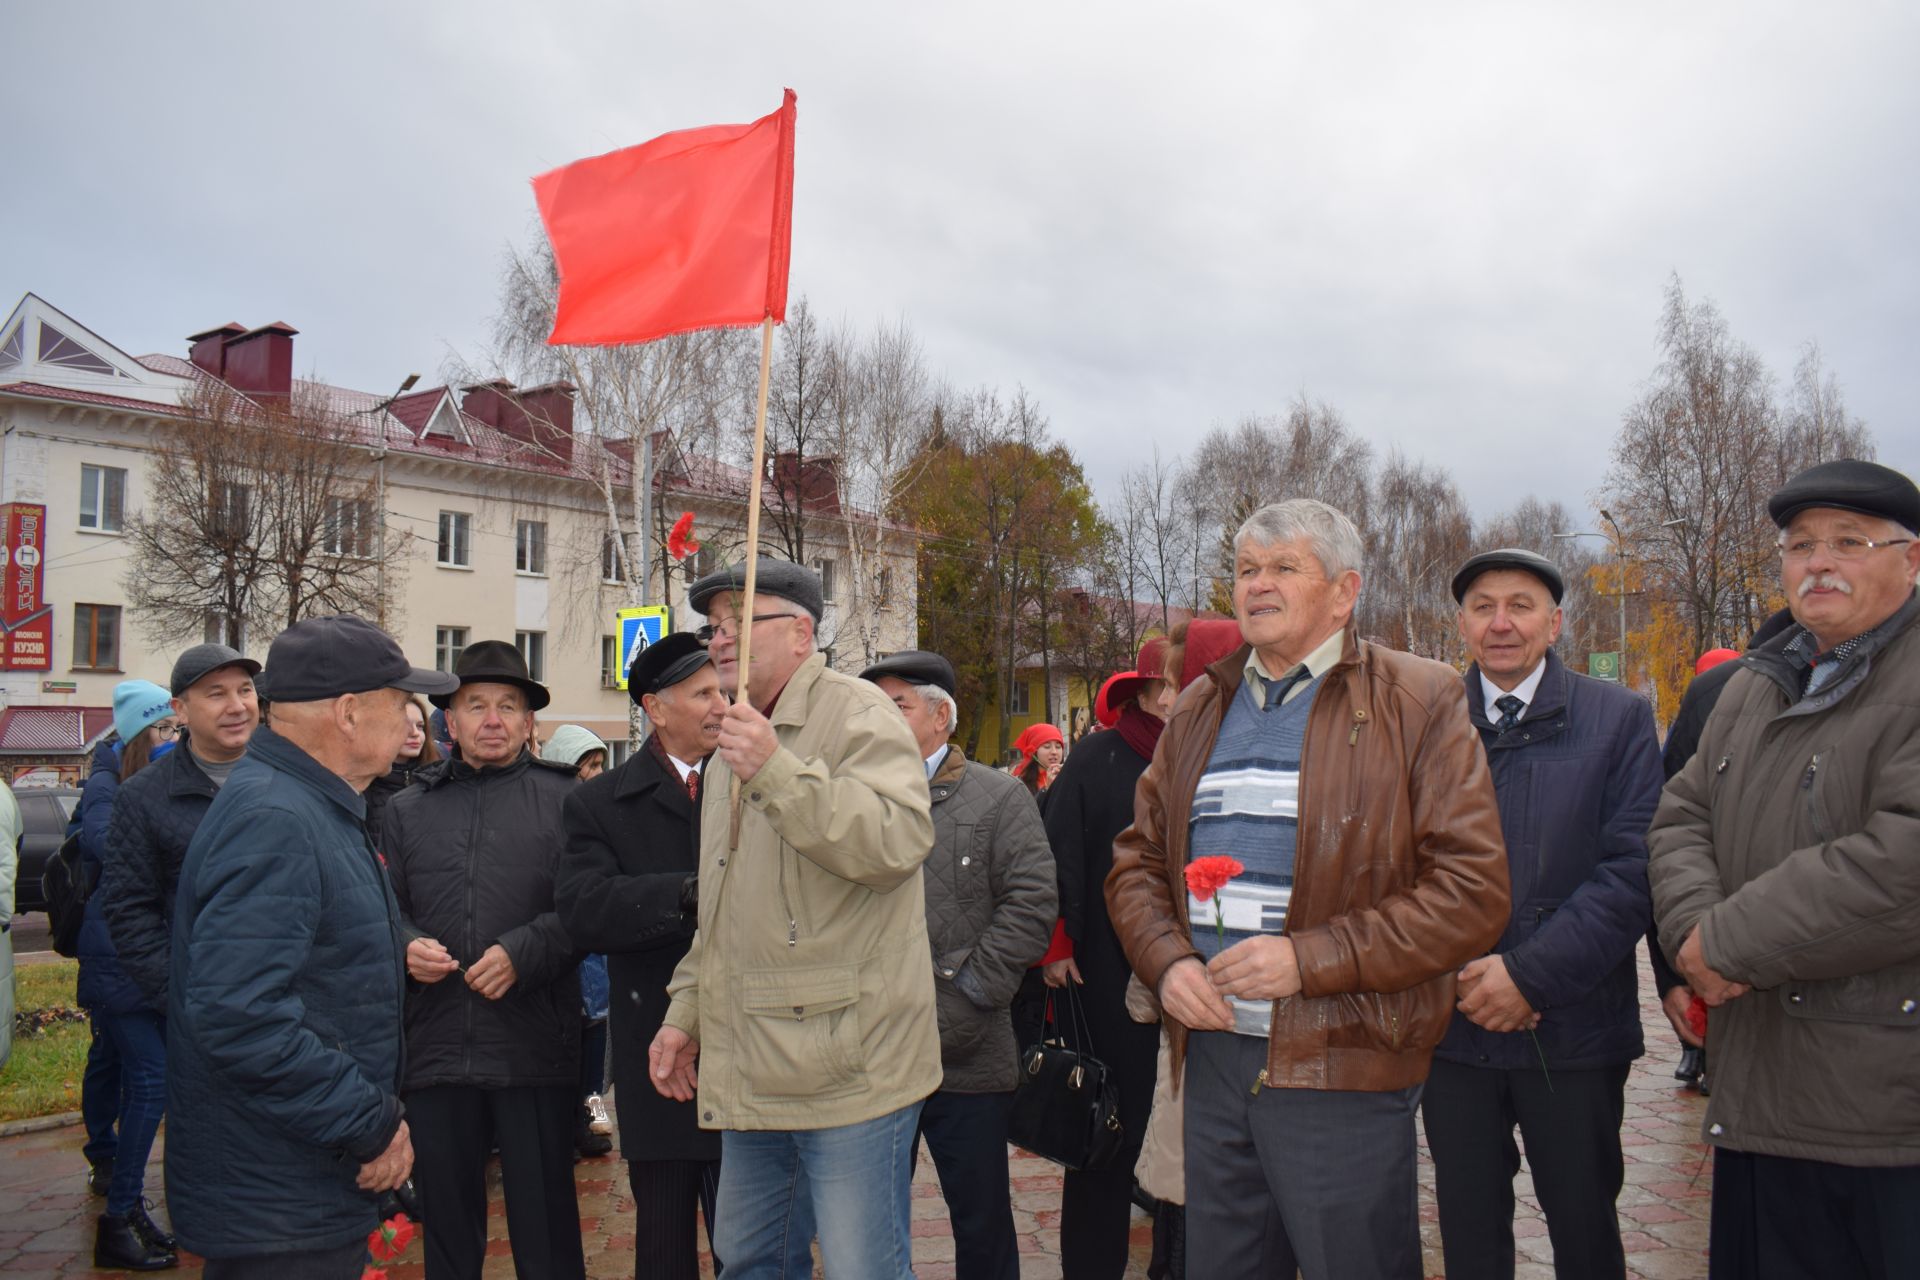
1510 709
693 786
1277 690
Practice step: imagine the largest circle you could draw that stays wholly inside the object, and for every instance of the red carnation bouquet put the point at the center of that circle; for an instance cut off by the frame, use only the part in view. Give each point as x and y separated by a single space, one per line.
680 541
1205 878
386 1243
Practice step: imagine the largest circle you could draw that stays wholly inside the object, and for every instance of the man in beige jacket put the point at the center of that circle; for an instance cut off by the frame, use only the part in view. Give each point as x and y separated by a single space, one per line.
806 996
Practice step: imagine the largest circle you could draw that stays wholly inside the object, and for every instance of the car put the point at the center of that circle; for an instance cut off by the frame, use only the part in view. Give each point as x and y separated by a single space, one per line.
44 814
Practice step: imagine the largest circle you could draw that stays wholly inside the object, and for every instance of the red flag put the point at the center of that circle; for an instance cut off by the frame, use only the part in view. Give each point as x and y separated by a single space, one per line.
688 231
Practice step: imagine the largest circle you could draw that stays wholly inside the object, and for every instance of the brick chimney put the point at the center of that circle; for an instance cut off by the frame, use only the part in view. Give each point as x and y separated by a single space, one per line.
491 403
549 414
815 482
209 349
259 362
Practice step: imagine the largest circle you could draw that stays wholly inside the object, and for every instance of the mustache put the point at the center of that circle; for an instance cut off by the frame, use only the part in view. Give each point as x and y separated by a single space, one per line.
1824 582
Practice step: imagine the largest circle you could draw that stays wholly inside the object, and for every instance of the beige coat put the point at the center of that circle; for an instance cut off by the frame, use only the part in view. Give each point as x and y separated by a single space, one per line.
807 985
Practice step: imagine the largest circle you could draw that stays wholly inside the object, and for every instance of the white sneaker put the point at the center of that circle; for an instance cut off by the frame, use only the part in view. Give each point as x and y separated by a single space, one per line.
597 1121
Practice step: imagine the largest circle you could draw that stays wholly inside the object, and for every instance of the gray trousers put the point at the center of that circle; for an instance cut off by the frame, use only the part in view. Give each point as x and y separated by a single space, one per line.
1284 1179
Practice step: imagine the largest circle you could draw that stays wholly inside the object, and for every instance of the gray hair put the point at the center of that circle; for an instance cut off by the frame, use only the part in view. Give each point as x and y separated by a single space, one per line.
939 697
1325 529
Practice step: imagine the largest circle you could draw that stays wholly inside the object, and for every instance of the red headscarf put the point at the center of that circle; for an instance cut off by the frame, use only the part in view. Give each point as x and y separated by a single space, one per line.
1031 739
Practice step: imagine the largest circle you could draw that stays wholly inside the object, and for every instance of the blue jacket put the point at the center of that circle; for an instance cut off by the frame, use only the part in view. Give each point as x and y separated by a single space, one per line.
153 824
1577 780
283 1014
103 986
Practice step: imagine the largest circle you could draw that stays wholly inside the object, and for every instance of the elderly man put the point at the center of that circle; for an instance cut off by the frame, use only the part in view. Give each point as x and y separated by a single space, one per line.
1547 1025
1787 890
628 887
493 1014
1307 997
991 899
284 997
806 994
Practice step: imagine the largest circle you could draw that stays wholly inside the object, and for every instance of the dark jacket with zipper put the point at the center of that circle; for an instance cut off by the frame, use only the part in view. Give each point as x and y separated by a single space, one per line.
102 985
283 1014
1791 840
1577 779
474 854
633 845
1400 876
154 819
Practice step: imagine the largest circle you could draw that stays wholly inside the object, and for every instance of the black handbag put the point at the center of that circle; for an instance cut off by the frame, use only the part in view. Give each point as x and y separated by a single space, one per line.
1067 1106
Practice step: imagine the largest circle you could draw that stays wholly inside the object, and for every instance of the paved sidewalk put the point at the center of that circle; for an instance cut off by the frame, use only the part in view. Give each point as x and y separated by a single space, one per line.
46 1215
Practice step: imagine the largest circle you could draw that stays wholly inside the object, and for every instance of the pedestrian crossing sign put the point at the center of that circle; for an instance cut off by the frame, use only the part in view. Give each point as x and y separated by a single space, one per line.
638 629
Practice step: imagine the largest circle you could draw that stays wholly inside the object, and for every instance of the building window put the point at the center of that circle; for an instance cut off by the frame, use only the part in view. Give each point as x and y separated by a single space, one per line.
533 647
216 631
609 662
705 561
96 637
619 750
825 568
447 645
610 557
456 544
1022 704
883 587
530 546
232 504
103 498
348 530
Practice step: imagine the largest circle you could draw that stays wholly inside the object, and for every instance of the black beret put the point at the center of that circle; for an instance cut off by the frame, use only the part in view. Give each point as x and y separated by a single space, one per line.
1509 558
781 578
915 666
665 663
1849 485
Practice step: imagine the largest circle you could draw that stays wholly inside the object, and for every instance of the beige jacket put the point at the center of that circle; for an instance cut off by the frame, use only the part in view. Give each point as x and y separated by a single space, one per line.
807 985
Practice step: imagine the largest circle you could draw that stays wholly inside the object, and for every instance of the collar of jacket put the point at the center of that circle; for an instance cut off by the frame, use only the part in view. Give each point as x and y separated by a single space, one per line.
795 699
648 770
1772 661
1230 672
946 779
461 771
185 777
1550 698
276 752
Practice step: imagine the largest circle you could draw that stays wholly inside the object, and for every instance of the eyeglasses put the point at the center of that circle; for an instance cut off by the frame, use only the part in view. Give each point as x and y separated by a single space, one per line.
731 627
167 729
1841 548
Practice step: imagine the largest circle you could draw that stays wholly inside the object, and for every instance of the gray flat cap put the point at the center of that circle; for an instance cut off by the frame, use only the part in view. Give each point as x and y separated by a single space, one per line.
204 659
1509 558
781 578
915 666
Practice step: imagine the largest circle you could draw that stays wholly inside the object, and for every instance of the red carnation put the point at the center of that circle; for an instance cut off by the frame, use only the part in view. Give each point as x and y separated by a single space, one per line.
1206 877
680 543
1697 1016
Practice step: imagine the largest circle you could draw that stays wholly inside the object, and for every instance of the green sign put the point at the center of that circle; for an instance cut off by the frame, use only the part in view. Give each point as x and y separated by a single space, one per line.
1603 666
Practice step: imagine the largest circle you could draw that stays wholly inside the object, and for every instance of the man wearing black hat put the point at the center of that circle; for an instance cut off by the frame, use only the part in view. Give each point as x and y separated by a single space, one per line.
991 901
1787 891
284 996
1547 1024
493 1015
806 994
627 887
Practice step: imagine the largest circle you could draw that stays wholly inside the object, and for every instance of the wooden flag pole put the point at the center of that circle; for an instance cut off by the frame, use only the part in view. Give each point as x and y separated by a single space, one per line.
745 619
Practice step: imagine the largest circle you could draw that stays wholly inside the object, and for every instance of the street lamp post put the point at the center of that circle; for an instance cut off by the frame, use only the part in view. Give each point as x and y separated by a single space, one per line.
1619 541
379 456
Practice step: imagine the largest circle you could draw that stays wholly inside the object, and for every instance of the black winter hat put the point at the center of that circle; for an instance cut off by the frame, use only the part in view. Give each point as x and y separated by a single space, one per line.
665 663
1509 558
494 662
1849 485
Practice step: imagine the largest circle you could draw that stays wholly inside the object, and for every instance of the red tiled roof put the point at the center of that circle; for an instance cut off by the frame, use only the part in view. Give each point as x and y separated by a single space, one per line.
58 730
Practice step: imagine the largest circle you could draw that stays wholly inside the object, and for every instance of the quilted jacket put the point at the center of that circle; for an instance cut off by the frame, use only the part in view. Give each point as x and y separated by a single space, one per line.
154 819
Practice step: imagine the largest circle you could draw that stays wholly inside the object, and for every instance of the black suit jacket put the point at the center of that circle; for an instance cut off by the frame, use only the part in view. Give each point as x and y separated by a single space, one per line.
633 838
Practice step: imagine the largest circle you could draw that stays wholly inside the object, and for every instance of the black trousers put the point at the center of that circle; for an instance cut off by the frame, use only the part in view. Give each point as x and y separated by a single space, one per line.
338 1262
1570 1123
1778 1218
452 1127
665 1193
966 1134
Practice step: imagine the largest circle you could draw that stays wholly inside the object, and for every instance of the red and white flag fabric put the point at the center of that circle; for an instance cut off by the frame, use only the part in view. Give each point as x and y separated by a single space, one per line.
689 231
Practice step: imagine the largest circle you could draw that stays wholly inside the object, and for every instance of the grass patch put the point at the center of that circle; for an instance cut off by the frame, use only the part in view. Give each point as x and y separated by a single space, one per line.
43 1076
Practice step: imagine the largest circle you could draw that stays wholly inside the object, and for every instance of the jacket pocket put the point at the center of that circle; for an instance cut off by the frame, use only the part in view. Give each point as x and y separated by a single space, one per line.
801 1034
1394 1021
1886 997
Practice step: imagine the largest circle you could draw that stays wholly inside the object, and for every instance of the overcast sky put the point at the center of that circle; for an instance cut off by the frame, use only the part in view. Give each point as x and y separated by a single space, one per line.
1454 222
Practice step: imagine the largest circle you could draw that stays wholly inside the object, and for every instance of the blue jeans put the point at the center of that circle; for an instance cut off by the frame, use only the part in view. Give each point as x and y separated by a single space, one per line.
852 1185
141 1040
100 1094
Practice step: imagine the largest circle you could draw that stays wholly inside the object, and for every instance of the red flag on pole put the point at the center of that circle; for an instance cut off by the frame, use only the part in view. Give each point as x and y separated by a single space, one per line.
688 231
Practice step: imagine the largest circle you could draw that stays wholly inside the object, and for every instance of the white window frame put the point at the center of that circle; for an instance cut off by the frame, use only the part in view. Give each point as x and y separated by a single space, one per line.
448 644
530 548
453 545
95 486
533 651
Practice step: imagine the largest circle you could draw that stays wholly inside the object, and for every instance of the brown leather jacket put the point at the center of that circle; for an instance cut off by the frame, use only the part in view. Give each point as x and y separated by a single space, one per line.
1400 876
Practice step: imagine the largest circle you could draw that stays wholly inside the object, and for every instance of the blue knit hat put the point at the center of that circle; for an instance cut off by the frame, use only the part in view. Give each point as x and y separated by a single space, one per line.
138 704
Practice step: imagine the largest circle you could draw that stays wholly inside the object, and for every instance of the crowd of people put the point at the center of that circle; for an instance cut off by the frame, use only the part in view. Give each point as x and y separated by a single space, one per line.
350 959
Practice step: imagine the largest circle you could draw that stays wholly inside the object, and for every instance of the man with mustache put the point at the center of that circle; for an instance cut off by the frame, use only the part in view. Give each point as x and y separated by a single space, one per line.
1786 884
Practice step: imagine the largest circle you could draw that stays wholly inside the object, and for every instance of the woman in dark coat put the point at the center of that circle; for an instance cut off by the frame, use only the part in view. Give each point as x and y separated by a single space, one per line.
416 753
627 888
1091 802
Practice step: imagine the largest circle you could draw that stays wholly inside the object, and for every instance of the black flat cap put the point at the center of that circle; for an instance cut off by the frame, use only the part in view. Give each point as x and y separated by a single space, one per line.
781 578
1509 558
1849 485
203 660
915 666
493 662
665 664
319 658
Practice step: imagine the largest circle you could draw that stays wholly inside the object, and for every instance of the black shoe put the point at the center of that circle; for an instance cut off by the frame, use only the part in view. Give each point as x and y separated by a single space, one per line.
100 1176
147 1229
588 1145
1693 1065
118 1247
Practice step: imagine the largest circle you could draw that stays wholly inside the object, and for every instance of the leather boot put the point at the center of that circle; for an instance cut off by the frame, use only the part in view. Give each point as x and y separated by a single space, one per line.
100 1176
147 1229
1693 1065
118 1247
